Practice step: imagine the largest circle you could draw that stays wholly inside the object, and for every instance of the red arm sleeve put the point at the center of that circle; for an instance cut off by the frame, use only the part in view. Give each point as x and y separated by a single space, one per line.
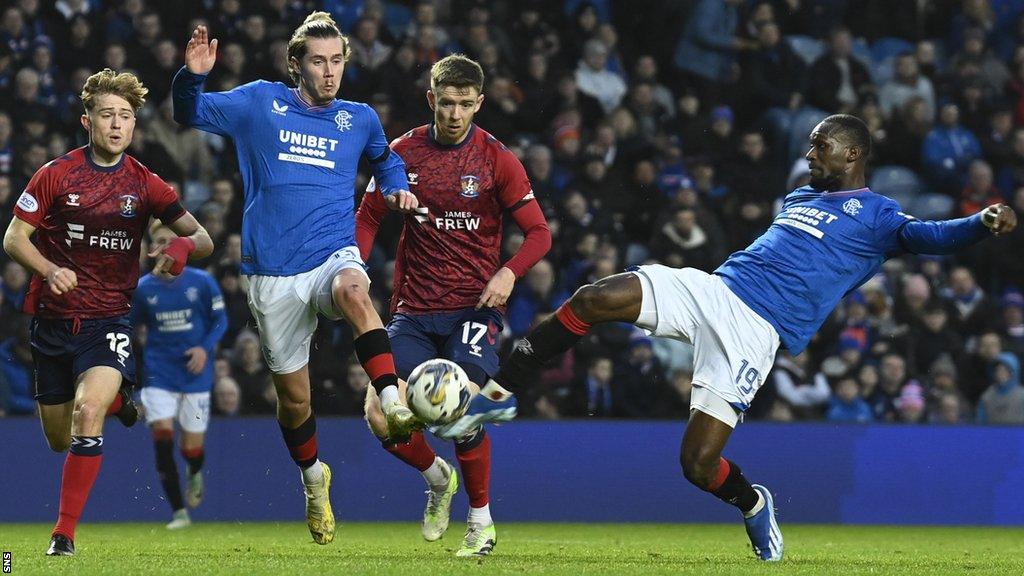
516 195
531 221
163 199
371 213
35 201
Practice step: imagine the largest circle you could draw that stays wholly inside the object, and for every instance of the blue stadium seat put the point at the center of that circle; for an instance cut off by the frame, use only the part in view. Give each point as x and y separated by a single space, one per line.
932 206
897 182
885 48
807 48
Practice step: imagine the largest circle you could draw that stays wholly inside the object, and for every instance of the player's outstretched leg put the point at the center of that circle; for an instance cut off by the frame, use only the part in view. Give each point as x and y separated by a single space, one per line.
298 427
615 298
474 454
163 445
95 391
704 466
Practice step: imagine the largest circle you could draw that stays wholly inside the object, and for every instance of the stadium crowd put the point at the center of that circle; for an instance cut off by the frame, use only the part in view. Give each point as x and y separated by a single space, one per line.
652 131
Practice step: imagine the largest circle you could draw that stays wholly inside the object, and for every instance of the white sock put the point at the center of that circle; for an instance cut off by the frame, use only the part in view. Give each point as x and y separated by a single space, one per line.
757 507
314 474
388 395
436 476
481 516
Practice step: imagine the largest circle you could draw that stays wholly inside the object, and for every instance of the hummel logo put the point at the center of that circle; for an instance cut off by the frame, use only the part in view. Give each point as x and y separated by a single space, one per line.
73 199
151 300
524 346
414 178
279 108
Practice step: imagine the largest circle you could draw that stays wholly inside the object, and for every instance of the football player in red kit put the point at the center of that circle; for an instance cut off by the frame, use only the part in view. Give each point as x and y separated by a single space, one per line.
87 211
450 284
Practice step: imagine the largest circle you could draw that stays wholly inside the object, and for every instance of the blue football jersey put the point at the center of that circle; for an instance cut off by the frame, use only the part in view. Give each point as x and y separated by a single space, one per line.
823 245
179 314
298 166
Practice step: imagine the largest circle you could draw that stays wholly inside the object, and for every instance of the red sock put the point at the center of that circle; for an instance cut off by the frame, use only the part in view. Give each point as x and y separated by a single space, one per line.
78 477
417 453
115 405
476 471
723 473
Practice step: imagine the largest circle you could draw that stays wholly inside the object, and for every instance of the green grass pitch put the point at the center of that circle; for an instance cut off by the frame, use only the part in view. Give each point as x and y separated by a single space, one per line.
526 549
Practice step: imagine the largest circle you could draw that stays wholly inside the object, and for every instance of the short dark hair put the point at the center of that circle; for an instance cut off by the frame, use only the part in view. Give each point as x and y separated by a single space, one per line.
850 130
457 71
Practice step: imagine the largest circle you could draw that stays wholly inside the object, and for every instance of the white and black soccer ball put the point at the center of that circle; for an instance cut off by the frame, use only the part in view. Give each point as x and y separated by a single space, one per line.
438 391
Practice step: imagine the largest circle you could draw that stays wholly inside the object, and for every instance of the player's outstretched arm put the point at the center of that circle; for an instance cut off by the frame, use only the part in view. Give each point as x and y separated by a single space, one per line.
948 236
18 245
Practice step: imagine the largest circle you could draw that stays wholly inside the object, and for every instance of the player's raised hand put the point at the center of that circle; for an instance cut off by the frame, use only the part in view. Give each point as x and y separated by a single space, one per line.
999 218
200 52
62 280
498 289
196 359
402 201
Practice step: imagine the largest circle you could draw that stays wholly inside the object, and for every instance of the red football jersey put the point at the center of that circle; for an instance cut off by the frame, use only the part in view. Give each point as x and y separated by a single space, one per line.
91 219
446 257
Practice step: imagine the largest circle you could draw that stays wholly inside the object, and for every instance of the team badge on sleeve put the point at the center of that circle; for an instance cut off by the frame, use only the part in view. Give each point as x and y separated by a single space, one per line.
27 202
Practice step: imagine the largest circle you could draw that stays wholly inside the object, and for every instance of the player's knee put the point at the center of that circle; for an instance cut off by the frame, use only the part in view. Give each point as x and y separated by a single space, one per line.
293 406
88 412
352 299
588 301
699 466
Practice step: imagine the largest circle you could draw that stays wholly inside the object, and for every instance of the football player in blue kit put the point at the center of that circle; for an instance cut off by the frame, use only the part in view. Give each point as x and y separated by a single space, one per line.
185 320
829 238
298 153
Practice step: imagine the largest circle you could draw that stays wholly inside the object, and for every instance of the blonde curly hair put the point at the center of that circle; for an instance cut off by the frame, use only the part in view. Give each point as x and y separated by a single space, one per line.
126 85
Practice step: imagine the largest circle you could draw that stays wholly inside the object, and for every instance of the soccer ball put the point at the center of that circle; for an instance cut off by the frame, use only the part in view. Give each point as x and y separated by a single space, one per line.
438 391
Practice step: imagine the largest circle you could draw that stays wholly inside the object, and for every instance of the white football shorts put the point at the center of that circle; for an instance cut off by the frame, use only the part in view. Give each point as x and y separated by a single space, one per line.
192 409
285 309
733 347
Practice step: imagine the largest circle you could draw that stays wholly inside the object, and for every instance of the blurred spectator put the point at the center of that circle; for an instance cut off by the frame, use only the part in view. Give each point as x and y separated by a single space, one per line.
639 378
838 81
980 190
976 368
601 400
948 410
891 377
253 376
935 338
17 372
847 405
1003 402
906 83
911 403
537 293
974 312
706 53
948 150
682 243
227 397
596 81
806 393
1011 326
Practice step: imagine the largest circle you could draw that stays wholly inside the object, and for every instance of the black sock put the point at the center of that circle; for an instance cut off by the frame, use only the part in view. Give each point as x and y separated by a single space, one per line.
195 458
735 489
549 339
302 442
168 472
373 349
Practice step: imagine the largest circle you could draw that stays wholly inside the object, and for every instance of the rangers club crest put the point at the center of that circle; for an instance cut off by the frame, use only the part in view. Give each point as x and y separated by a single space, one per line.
470 186
129 205
192 293
343 119
852 206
